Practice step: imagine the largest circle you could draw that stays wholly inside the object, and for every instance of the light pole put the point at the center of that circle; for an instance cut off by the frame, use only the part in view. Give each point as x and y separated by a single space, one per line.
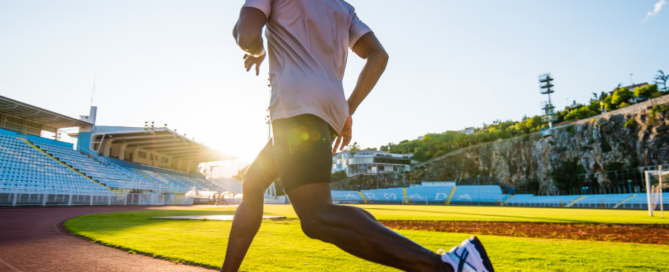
546 86
631 81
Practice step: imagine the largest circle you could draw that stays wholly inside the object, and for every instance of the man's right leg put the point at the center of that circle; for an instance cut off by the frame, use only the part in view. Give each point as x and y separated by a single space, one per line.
357 232
248 215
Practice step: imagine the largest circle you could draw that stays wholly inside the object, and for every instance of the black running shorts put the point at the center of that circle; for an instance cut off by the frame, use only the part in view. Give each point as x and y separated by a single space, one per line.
300 153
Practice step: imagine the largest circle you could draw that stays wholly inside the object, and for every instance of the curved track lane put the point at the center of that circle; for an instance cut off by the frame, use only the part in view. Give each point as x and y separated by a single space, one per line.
33 239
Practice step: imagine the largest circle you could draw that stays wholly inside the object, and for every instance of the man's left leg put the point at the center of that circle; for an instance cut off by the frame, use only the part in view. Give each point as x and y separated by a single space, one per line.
248 215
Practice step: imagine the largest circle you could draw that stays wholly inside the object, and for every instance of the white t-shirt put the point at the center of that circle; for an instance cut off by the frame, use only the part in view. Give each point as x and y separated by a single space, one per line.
308 42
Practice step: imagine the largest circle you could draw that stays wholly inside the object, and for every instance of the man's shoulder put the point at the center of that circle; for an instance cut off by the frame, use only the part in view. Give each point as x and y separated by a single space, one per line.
346 5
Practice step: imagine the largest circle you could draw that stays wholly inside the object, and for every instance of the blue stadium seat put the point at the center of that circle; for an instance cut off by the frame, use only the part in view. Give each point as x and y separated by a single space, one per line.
346 196
475 193
106 175
25 168
392 194
429 193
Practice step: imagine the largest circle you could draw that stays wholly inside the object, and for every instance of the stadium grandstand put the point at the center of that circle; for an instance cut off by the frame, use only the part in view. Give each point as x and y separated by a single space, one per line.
108 166
112 165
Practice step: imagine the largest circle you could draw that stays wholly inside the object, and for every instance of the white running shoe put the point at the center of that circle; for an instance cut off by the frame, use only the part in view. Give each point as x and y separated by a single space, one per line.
470 256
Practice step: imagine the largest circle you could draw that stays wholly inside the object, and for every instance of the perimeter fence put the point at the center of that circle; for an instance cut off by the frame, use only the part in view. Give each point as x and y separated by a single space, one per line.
22 196
545 204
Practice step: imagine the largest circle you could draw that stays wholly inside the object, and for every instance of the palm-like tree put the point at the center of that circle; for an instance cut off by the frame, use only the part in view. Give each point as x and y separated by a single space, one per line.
661 78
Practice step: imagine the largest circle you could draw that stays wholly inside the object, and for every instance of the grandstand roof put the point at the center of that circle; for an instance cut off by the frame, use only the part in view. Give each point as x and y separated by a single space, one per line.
35 114
161 139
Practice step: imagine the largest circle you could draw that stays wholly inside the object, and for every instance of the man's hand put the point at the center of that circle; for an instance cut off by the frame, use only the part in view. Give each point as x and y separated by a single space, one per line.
346 134
249 61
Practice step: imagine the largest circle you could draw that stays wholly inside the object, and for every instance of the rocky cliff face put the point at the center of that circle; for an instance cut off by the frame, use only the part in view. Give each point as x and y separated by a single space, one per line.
627 139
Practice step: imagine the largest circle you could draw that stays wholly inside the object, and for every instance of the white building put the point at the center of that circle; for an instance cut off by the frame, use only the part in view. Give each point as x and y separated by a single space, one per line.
371 162
469 130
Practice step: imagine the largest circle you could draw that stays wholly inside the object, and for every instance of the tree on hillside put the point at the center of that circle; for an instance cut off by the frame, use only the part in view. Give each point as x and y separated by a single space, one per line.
534 122
603 95
420 154
661 78
621 97
337 176
522 127
566 174
354 147
646 92
579 113
511 130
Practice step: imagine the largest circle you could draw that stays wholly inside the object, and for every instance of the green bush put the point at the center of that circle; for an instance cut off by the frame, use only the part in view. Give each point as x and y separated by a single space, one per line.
646 91
631 123
337 176
620 96
606 147
571 130
566 174
580 113
657 109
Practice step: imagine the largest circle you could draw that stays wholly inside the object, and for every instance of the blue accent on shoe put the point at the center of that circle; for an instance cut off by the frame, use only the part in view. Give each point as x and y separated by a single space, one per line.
484 255
463 259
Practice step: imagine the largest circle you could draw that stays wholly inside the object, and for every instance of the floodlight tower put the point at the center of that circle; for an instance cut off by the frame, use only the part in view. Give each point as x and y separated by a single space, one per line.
548 108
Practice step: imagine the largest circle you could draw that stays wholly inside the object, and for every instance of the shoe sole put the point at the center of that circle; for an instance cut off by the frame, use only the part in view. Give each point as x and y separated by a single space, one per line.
484 255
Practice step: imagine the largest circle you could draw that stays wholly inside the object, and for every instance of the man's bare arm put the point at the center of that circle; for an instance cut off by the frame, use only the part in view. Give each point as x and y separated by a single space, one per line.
248 31
367 47
248 35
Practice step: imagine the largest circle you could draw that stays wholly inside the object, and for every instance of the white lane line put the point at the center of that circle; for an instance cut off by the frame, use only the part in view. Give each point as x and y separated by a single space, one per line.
9 266
56 228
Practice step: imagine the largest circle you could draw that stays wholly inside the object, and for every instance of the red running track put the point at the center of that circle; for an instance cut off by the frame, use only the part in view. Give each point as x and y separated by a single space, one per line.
33 239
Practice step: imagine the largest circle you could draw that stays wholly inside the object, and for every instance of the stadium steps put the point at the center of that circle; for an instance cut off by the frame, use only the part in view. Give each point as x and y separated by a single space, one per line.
623 201
574 202
450 196
66 165
507 199
149 178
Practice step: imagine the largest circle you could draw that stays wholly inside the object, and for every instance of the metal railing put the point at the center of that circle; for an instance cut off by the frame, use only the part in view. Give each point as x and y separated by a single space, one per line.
18 194
500 202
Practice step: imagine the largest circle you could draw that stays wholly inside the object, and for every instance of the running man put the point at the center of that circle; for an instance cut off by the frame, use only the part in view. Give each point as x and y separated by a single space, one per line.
307 45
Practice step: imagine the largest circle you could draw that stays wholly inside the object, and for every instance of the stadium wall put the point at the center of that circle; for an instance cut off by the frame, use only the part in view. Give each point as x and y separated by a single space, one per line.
84 142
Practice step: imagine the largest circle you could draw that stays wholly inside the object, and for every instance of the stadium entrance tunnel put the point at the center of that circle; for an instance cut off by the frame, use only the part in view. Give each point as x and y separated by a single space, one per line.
632 233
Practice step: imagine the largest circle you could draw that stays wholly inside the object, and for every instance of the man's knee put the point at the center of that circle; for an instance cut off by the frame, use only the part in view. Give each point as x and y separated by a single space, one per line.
255 182
251 186
313 224
311 227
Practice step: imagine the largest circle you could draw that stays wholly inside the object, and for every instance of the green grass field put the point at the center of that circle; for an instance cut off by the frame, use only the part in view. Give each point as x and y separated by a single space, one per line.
281 245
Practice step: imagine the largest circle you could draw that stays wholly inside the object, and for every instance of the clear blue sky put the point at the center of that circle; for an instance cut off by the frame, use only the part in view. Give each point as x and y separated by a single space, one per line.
452 63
